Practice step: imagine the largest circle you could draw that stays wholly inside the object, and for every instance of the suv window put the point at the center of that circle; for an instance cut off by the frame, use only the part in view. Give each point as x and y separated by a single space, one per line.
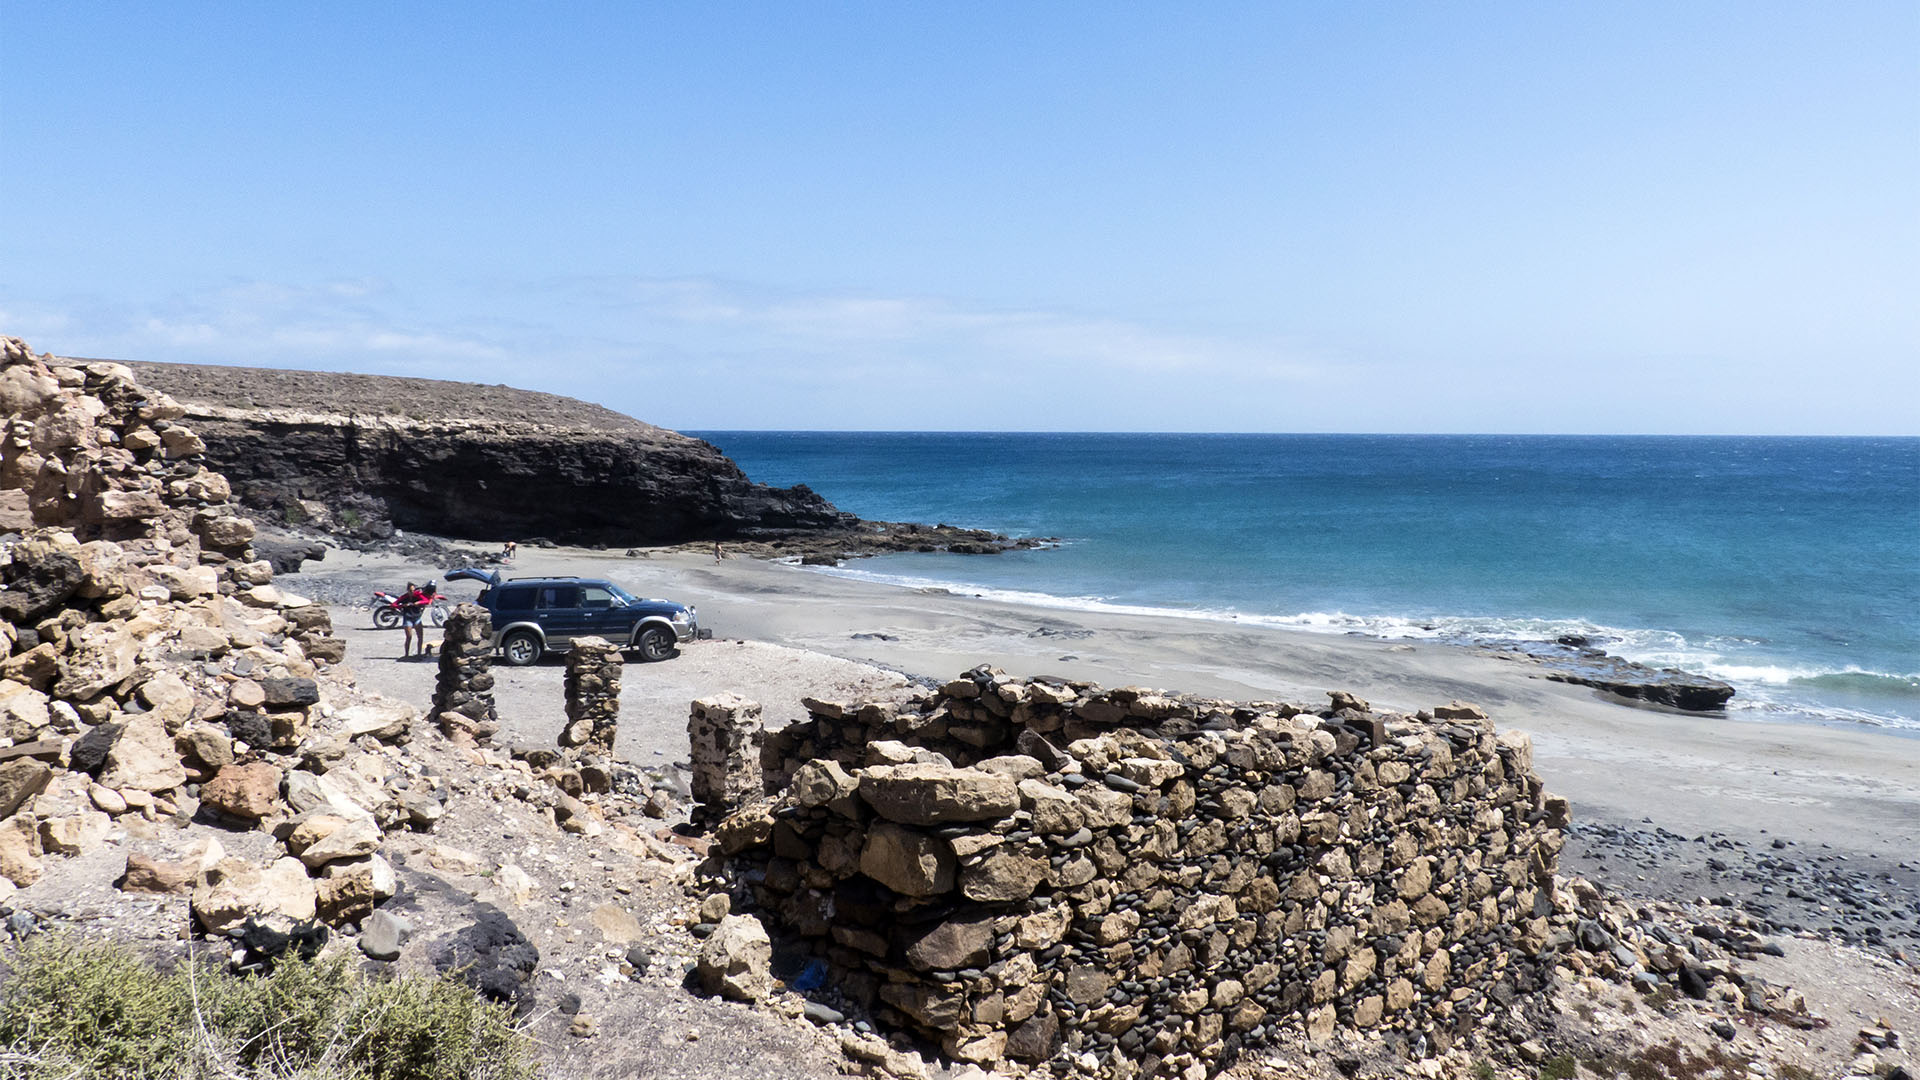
559 596
518 598
595 596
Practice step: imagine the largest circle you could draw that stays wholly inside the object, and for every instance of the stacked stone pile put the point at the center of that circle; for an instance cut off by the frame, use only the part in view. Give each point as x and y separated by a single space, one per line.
720 730
1660 949
593 695
1137 884
463 689
153 670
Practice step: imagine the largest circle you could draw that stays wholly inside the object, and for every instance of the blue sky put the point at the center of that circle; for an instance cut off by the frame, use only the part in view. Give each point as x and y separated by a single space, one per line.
1549 217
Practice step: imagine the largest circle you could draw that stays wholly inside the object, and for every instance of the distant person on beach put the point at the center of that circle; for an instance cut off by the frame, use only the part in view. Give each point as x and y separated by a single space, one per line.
717 553
413 611
506 553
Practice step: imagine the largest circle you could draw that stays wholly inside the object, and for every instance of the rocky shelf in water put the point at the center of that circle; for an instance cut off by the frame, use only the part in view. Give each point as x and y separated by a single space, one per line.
866 538
1577 661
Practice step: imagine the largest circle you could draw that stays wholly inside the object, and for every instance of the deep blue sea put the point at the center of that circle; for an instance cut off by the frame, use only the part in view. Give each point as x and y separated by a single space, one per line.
1789 567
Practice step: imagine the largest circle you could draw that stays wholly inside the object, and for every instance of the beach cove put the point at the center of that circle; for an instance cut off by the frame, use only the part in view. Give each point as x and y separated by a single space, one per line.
1674 784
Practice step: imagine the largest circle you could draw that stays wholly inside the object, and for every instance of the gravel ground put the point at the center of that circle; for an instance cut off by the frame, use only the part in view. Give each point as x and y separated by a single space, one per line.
654 698
381 395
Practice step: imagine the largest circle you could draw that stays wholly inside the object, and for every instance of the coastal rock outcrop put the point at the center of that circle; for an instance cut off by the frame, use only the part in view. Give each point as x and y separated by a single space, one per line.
1660 686
364 455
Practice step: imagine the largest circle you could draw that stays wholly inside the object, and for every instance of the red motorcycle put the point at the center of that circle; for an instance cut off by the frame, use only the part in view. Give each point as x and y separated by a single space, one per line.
387 613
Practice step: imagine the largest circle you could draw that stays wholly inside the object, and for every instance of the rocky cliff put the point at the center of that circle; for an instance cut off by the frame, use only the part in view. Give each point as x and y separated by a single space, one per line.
363 455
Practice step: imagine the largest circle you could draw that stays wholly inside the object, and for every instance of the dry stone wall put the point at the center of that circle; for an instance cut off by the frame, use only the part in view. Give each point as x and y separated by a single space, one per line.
1126 883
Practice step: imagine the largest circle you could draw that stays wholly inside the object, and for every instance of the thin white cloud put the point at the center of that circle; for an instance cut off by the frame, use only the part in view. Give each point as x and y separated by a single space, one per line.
337 325
911 326
701 352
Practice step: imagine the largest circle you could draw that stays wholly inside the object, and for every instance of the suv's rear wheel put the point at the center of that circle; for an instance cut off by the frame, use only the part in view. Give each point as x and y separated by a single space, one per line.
656 643
520 648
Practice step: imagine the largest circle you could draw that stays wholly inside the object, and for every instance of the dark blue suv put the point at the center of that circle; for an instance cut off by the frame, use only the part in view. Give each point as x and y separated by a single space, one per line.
532 615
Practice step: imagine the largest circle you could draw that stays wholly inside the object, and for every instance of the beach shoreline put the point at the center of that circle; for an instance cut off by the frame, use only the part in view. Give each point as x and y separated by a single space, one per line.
1858 791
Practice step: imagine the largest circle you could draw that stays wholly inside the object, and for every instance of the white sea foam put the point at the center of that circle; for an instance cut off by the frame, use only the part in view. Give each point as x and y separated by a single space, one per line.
1764 689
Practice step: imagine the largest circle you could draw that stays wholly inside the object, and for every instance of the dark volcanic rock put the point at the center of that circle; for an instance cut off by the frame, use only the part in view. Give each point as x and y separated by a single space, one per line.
285 554
457 459
1662 686
493 957
1574 658
39 578
89 753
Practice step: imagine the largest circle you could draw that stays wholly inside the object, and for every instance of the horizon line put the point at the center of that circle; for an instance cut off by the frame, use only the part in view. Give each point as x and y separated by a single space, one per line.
694 430
1033 431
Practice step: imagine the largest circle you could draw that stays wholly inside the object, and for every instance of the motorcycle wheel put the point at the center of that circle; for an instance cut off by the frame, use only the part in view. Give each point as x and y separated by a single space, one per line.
386 618
437 615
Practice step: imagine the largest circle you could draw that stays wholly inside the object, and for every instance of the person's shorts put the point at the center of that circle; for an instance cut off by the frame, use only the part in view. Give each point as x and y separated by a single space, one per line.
410 619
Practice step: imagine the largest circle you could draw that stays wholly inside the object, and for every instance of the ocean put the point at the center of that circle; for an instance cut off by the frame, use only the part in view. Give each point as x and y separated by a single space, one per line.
1789 567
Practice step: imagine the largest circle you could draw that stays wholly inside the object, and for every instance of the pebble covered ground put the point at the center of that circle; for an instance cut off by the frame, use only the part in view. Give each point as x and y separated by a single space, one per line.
1788 887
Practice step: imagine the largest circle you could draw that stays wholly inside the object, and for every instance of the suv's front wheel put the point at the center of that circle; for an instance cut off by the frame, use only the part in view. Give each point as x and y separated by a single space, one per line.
520 648
656 643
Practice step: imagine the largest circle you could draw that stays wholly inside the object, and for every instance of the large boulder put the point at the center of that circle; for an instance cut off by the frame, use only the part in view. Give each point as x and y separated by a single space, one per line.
76 833
492 956
232 891
250 791
42 575
736 960
99 657
146 874
383 722
822 783
143 756
908 862
321 838
339 793
21 779
949 946
20 850
931 794
23 711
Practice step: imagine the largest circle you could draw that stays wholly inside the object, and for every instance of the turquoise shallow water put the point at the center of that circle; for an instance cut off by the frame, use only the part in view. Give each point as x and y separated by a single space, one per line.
1787 566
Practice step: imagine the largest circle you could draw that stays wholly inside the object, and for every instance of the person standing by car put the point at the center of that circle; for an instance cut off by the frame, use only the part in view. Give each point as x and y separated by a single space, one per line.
413 610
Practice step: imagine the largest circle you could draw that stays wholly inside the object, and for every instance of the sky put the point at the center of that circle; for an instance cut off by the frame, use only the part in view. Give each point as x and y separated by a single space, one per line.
1369 217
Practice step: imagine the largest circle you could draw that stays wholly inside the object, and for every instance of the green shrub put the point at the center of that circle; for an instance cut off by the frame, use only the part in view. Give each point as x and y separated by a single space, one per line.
1563 1067
98 1010
93 1011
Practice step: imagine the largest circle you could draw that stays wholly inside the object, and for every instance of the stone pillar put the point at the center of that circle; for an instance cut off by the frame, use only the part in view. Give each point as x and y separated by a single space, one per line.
726 768
593 694
463 696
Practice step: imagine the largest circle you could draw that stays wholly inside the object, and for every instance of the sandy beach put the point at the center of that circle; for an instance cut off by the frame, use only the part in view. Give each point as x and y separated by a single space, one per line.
1858 791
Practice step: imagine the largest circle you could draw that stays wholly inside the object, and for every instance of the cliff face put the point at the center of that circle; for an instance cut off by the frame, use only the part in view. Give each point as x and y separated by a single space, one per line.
365 454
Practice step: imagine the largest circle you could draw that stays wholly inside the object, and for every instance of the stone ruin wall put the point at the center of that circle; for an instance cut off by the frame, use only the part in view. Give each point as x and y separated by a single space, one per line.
149 668
1125 883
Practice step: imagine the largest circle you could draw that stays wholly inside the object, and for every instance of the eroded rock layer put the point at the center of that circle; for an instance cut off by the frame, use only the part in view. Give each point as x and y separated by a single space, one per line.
362 455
